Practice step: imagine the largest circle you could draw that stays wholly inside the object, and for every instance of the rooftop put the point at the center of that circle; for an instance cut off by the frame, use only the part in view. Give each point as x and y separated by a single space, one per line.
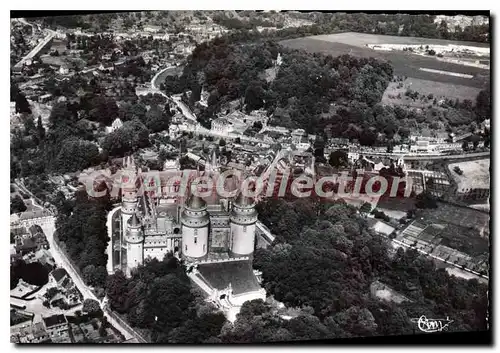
238 273
54 320
196 202
58 274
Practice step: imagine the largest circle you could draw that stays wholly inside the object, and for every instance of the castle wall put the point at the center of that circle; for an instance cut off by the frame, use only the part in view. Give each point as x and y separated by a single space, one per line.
109 251
219 239
156 252
125 218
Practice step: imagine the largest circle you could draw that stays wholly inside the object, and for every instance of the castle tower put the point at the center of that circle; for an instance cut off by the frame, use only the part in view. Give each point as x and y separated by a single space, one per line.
129 192
135 244
243 218
195 221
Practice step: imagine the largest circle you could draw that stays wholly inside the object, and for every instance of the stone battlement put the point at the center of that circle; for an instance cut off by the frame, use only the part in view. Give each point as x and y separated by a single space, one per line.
213 261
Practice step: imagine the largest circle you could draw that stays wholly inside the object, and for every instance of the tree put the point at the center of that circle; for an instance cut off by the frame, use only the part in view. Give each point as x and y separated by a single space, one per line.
94 276
254 95
483 104
17 205
130 137
257 126
157 120
40 129
116 291
365 208
222 142
338 159
307 327
390 147
102 109
426 200
22 104
91 306
76 154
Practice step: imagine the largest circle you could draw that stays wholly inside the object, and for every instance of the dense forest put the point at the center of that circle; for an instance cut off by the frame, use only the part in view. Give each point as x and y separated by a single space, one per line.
328 258
81 230
159 298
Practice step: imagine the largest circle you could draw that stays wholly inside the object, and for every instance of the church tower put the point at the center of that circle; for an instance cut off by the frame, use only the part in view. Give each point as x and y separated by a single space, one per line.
195 221
135 244
212 164
243 217
129 192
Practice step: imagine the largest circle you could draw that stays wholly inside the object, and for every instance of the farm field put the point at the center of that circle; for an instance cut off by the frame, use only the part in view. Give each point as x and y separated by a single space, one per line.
476 174
404 64
461 216
439 90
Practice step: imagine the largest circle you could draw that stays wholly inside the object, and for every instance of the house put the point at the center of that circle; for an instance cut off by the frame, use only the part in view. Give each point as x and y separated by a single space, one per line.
63 70
152 29
297 135
174 131
45 98
44 257
25 244
57 277
117 123
55 325
221 125
486 125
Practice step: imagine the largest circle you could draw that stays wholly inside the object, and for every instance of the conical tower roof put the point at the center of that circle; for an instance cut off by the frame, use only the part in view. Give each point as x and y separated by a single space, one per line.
196 202
134 221
244 201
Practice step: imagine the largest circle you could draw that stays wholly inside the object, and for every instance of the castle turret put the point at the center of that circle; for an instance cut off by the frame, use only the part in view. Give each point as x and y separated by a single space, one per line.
134 238
243 218
195 221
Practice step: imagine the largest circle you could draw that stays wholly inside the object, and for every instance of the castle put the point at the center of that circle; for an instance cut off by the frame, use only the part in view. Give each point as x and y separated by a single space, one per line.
145 226
215 239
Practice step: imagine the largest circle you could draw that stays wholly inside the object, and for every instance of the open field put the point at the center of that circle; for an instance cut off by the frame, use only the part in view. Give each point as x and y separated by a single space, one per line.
451 214
404 63
361 39
476 174
439 90
453 271
53 60
59 45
